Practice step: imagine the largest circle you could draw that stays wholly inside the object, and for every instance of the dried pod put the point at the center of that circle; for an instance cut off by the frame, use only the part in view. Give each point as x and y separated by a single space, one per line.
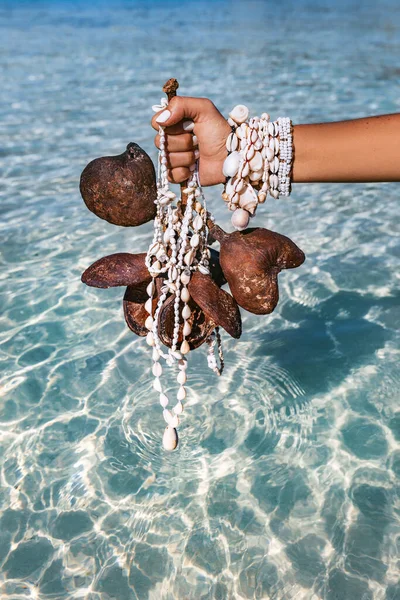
201 325
134 302
117 269
251 261
216 272
134 311
218 305
121 189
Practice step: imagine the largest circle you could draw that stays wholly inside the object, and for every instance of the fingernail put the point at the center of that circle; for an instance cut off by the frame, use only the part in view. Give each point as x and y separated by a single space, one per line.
188 125
165 115
192 168
195 142
196 154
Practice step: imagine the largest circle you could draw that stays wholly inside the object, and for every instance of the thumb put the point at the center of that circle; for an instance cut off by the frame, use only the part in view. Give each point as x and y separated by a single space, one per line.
179 108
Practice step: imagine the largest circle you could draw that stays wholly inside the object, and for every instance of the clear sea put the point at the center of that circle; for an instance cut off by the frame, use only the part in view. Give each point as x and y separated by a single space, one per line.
286 482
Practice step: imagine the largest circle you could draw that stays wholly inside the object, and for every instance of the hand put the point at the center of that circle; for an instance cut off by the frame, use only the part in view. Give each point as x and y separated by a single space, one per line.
210 130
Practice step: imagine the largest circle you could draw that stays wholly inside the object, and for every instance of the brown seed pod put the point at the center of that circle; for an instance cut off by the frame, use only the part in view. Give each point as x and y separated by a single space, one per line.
201 325
134 311
251 261
218 305
121 189
117 269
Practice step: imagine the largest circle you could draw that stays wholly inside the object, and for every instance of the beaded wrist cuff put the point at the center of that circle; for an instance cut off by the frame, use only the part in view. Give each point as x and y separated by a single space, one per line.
259 162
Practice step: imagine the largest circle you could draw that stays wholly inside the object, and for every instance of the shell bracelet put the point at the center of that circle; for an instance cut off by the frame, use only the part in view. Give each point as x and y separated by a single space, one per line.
259 162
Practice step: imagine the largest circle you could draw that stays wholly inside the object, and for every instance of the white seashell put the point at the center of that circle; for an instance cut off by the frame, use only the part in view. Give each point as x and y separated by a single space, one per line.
163 400
168 233
155 354
235 198
186 312
238 185
172 273
231 122
265 116
195 240
256 162
181 395
274 180
231 164
176 354
149 306
271 128
149 322
258 145
150 338
272 144
150 288
171 286
164 201
156 266
262 196
265 187
157 385
185 348
171 419
239 114
276 145
154 248
248 200
274 193
245 130
182 364
203 269
256 175
189 257
178 408
269 154
181 378
187 329
246 169
185 296
243 144
157 369
197 223
274 165
240 219
250 153
232 142
239 134
170 438
185 277
254 136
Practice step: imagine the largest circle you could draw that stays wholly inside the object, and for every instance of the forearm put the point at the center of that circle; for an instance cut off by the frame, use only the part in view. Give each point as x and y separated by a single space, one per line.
360 150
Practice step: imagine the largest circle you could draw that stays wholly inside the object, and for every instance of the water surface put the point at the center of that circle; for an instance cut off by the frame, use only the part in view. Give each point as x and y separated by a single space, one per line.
285 485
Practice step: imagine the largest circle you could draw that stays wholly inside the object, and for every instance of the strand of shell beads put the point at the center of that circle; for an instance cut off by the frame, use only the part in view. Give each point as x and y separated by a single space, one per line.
254 166
178 248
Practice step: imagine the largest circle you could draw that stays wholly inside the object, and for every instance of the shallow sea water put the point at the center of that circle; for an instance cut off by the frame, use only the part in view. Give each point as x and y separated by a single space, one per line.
285 485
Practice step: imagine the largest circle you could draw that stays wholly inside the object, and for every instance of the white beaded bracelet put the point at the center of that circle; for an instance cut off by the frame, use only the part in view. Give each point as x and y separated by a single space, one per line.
259 162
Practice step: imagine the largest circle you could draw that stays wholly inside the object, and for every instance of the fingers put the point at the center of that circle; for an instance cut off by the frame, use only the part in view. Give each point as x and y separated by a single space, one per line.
181 159
179 174
182 108
178 143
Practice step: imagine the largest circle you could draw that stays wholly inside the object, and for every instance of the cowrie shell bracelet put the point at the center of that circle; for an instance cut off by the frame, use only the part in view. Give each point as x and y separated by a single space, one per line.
259 162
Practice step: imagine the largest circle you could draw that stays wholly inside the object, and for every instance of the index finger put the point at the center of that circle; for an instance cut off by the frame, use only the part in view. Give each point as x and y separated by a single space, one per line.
173 129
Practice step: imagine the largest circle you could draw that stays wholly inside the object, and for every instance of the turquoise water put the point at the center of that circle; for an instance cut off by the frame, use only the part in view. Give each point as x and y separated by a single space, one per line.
285 485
